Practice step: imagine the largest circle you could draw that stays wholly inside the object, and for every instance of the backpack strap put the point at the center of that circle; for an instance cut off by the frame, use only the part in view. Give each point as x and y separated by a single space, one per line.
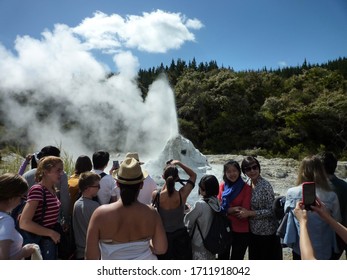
44 205
156 201
197 224
102 174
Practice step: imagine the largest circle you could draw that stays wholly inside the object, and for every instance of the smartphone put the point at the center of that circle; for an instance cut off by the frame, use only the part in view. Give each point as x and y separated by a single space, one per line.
115 164
309 194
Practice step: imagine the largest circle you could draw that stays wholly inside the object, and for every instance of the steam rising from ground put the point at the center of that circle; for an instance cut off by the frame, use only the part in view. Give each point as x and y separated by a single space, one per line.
54 91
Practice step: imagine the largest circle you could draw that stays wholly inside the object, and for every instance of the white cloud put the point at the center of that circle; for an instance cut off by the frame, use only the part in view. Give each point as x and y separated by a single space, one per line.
282 64
155 32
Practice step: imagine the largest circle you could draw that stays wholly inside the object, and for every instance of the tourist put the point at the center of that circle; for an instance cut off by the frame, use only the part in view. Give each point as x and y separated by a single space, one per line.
235 195
107 183
61 186
339 186
263 244
41 212
202 213
323 238
171 207
12 188
83 164
149 185
126 229
84 207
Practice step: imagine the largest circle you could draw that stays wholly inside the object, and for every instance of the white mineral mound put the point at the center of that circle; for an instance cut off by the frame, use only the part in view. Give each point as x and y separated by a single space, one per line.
182 149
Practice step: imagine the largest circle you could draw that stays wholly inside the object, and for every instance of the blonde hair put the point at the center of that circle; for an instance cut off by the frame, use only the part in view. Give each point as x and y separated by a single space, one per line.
312 170
46 164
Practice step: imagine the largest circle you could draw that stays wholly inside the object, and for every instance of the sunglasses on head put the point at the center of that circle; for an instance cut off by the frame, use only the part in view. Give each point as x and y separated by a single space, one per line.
253 167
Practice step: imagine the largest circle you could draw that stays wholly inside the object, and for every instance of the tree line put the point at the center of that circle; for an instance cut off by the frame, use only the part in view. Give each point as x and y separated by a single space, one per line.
285 112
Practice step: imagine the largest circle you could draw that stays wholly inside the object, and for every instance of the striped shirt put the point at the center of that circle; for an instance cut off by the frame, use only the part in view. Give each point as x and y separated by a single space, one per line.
52 206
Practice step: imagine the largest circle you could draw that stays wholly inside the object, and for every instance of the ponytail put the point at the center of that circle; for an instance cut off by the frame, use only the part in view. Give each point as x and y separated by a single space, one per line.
170 176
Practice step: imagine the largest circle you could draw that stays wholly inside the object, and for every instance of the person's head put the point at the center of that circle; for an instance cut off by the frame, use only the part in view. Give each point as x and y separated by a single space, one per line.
129 178
51 168
231 171
89 181
48 151
311 169
12 187
170 176
250 167
329 162
100 159
45 151
208 186
83 164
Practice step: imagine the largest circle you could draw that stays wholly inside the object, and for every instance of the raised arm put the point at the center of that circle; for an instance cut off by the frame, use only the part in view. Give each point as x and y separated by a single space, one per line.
187 188
306 249
325 215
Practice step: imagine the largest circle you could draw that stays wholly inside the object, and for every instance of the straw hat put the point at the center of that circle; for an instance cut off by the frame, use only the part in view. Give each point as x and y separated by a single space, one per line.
135 156
130 172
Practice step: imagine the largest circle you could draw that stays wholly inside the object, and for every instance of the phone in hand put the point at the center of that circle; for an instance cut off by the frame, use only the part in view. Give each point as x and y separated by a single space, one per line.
309 194
115 164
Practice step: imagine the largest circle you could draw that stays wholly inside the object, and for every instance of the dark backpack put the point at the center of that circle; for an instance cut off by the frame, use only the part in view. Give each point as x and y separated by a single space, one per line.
278 207
17 212
281 215
219 236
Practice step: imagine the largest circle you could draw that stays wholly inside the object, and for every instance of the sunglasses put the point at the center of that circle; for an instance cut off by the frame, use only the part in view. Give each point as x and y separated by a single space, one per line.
253 167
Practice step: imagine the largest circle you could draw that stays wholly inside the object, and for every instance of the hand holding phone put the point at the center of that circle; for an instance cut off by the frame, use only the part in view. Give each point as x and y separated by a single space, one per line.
115 164
309 194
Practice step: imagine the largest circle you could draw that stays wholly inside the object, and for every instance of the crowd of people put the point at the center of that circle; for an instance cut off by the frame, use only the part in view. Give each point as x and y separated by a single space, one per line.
123 214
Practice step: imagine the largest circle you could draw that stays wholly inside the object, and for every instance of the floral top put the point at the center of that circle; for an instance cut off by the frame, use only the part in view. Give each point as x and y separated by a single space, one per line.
263 196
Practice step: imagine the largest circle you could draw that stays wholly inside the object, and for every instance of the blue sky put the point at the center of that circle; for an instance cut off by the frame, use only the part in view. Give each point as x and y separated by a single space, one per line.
242 34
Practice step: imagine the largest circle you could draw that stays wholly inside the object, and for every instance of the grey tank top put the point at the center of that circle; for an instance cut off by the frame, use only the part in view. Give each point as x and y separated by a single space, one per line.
173 218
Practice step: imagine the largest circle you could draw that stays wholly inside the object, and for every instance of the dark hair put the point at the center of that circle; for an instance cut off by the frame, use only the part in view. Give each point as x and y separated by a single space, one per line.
83 164
129 193
87 179
329 161
170 176
100 159
210 185
12 185
48 151
226 166
247 161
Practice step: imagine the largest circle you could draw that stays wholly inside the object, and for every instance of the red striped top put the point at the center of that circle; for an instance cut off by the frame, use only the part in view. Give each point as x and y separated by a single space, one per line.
52 205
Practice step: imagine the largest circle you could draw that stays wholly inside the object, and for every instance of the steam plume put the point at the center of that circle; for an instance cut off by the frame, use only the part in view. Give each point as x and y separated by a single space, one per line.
55 92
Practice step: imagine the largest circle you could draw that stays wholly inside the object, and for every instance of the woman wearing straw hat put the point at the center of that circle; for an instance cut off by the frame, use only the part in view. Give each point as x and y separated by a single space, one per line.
126 229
